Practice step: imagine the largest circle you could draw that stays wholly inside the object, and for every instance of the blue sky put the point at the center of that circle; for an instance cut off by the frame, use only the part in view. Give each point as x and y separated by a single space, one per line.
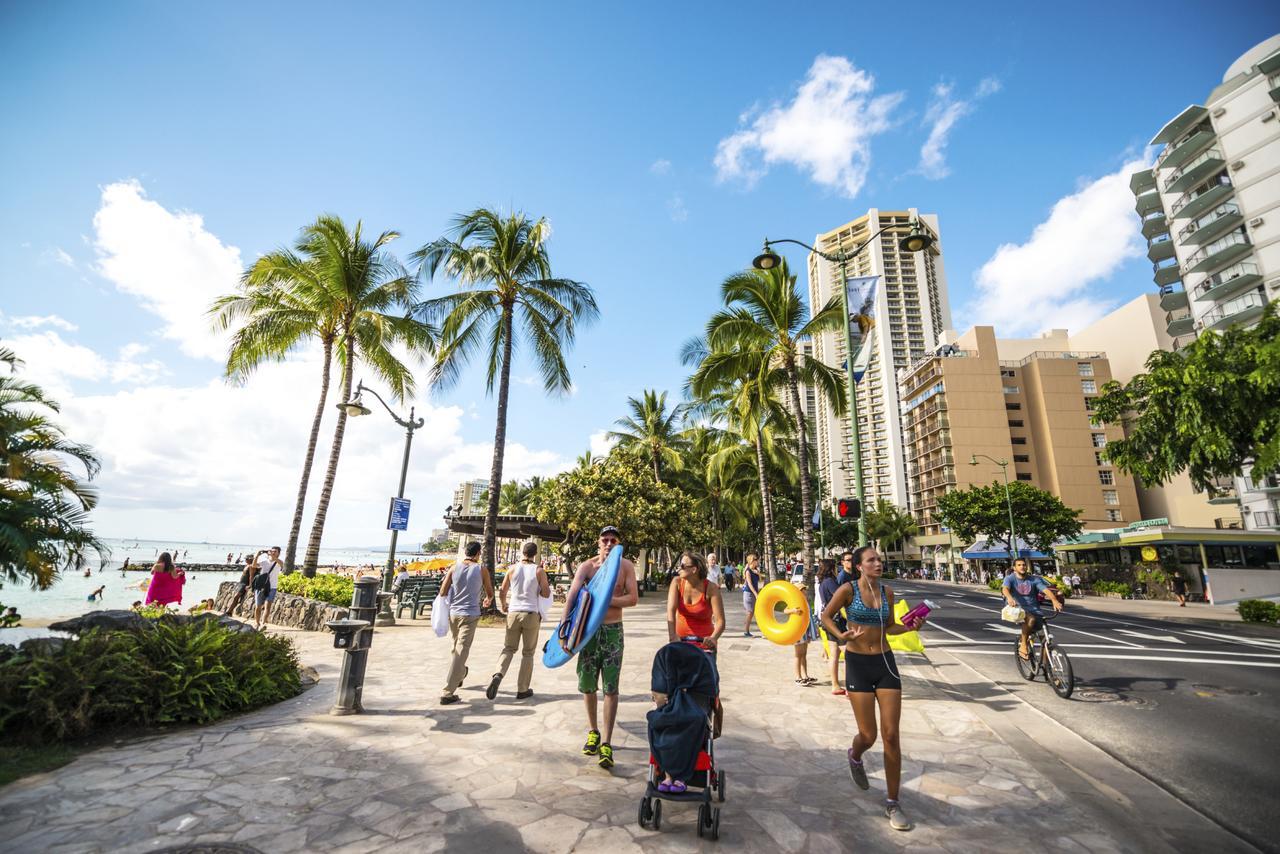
255 118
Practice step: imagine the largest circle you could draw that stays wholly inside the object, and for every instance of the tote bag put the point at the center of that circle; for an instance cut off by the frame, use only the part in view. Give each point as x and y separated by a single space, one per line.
440 614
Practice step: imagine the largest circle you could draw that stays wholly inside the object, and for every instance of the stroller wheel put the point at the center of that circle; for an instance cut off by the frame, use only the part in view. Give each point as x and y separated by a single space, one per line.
720 787
715 823
656 817
646 812
704 819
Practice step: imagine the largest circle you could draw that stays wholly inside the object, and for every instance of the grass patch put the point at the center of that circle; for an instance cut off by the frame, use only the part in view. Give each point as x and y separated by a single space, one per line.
21 760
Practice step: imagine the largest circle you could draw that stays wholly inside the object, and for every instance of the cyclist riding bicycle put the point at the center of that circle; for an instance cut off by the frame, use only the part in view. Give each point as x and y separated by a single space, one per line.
1021 590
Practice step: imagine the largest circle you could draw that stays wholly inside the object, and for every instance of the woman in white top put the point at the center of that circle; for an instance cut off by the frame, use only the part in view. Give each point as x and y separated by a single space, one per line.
525 582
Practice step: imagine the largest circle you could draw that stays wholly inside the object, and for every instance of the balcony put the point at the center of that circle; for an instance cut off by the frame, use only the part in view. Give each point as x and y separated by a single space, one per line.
1201 199
1155 223
944 479
1182 324
1148 202
1167 271
1225 283
939 423
1160 248
1234 312
1216 223
936 463
1180 124
1270 483
1222 490
1172 298
928 447
1194 171
1180 152
1219 253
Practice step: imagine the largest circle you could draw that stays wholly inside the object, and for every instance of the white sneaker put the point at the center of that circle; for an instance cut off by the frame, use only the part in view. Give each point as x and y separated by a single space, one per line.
897 818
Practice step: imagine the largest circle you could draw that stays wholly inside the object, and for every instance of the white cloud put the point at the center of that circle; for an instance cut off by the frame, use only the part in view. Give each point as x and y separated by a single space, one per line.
676 208
63 258
1044 282
35 322
826 130
660 167
130 369
54 363
943 113
168 261
601 443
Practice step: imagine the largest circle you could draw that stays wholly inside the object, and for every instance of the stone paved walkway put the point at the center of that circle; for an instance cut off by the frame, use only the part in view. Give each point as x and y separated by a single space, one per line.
506 776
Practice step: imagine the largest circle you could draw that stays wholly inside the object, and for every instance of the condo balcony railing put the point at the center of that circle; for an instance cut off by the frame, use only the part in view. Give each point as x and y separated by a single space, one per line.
1205 255
1230 212
920 450
931 463
1196 201
1079 356
939 404
944 479
1227 281
1180 176
1188 142
1233 311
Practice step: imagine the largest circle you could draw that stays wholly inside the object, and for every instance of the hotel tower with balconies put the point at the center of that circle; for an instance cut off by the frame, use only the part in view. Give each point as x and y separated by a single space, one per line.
1210 208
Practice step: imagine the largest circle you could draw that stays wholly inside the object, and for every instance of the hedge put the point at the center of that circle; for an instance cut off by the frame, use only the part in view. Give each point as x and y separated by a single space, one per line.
1258 611
334 589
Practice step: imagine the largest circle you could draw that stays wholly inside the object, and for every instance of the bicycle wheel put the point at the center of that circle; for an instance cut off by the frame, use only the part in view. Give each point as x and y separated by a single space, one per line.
1026 666
1061 676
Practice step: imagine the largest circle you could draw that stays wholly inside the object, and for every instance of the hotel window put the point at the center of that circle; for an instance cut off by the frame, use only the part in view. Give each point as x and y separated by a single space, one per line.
1106 478
1023 476
1007 372
1011 389
1099 440
1098 460
1110 496
1085 368
1021 458
1013 423
1088 386
1089 403
1013 407
1114 516
1018 440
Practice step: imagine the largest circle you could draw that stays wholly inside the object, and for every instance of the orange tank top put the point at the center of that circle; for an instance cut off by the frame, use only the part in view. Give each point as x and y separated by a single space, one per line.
695 619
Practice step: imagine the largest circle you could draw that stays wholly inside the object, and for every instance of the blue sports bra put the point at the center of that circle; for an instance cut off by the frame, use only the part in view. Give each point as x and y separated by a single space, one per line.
862 615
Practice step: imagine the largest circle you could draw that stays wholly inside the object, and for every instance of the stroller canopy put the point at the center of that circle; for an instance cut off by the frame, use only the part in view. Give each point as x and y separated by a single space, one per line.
682 666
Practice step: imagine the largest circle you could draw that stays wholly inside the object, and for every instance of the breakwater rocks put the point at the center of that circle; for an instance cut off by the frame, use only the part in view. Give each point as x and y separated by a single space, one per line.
288 610
187 567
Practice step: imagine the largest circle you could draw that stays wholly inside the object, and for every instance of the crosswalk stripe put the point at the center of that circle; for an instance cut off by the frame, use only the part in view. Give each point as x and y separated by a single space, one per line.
1161 638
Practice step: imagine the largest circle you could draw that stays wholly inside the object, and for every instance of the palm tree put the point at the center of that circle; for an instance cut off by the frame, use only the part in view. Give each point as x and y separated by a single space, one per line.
281 305
887 524
652 431
371 298
760 330
44 506
504 272
585 461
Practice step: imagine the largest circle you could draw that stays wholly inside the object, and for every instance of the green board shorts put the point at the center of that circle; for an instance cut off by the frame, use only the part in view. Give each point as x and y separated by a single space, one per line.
601 655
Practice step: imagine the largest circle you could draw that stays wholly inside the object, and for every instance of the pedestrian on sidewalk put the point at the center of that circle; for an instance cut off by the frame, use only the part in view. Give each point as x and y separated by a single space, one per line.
264 583
1179 589
714 575
467 580
1075 584
871 673
750 590
828 584
525 582
695 607
802 646
242 586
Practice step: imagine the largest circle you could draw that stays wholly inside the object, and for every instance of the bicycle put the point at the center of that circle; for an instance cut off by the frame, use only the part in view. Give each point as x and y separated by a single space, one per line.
1047 657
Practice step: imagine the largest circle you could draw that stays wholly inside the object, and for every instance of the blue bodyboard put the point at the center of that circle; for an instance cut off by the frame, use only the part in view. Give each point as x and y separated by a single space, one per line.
587 614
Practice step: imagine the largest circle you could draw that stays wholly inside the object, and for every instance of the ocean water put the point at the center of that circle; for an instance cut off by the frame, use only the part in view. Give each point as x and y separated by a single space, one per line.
68 597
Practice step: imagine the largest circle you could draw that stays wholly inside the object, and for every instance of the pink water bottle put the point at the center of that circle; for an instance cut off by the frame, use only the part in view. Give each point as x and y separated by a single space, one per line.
916 615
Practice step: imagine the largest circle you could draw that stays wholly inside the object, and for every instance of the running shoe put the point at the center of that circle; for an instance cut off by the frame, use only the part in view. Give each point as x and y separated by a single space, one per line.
492 691
606 758
592 747
449 699
524 695
858 771
897 818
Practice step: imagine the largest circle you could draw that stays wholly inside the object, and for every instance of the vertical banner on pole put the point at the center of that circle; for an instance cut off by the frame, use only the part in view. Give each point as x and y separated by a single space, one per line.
861 299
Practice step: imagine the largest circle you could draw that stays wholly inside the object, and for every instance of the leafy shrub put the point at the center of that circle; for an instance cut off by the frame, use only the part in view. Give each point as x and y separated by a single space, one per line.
334 589
1258 611
1101 587
154 611
996 583
194 672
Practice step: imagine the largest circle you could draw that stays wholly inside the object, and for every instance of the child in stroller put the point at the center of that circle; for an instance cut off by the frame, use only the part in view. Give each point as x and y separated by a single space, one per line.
682 753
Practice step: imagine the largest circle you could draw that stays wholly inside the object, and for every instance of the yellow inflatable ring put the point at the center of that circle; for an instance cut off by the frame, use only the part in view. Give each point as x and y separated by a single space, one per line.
793 626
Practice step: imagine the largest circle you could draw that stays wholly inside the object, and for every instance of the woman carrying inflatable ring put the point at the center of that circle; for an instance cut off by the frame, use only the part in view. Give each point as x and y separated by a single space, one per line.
871 675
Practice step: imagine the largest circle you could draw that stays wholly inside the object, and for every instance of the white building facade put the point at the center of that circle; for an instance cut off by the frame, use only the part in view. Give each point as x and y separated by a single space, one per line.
912 310
1210 209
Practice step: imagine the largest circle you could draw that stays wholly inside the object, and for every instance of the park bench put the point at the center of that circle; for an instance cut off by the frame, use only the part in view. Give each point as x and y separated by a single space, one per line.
417 593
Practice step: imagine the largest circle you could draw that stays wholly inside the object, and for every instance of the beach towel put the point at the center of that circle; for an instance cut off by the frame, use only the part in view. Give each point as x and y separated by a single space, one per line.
910 641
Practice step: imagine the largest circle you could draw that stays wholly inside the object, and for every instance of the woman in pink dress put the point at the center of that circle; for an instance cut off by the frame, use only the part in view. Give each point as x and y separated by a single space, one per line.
166 582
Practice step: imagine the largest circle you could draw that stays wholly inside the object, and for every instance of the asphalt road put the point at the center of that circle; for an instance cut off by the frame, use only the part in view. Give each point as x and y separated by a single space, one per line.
1193 708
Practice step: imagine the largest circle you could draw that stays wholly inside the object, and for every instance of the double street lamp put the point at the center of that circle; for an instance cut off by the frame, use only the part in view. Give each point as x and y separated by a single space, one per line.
915 241
1004 469
355 408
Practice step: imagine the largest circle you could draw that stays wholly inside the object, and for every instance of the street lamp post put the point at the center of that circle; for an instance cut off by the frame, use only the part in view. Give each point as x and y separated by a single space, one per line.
915 241
354 408
1004 470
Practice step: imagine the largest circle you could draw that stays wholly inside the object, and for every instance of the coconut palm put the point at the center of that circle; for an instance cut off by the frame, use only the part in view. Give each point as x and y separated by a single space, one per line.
44 505
652 431
759 332
889 524
504 272
585 461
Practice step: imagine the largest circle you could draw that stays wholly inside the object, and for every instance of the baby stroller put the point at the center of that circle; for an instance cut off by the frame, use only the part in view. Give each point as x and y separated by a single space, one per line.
680 737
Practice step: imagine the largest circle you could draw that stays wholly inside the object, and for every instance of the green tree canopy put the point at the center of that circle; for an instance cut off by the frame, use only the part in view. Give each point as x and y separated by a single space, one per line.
981 511
1209 409
620 490
890 525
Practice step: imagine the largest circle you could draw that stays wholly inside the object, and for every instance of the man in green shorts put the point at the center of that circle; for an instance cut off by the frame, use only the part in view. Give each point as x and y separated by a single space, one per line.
601 658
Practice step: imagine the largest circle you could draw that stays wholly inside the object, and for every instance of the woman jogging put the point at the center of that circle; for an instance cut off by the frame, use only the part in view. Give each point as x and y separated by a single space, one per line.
871 674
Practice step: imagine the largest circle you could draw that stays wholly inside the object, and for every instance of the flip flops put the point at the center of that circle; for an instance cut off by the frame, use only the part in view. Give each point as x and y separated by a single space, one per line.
675 787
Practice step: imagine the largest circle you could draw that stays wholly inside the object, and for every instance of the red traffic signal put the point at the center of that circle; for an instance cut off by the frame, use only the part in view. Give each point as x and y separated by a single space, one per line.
848 508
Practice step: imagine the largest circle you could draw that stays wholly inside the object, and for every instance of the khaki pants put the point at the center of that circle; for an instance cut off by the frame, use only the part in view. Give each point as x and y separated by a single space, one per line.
463 630
522 631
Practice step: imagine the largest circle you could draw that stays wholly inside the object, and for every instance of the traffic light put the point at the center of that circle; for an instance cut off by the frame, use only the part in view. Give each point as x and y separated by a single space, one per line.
848 508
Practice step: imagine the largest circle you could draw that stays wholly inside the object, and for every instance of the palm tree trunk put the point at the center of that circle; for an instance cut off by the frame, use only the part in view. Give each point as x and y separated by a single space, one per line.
295 530
656 475
499 446
806 486
322 507
766 509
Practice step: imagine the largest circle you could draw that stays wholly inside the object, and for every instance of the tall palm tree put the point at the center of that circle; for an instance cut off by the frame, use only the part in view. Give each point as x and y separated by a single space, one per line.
44 505
504 272
371 297
888 523
652 431
281 305
761 328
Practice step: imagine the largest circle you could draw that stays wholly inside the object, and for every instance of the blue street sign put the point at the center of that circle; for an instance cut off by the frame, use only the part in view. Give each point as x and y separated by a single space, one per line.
398 515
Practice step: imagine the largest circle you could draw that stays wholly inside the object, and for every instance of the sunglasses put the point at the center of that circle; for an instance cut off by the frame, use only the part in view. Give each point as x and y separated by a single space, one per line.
688 566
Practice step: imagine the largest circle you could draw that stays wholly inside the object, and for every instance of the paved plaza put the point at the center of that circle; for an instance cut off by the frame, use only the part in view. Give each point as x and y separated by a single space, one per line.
982 771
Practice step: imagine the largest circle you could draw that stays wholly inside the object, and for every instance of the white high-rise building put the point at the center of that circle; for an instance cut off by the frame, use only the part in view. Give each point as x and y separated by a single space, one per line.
1210 209
911 311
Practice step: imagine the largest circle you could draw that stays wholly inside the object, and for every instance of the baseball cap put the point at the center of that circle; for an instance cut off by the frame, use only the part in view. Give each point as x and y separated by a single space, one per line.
610 529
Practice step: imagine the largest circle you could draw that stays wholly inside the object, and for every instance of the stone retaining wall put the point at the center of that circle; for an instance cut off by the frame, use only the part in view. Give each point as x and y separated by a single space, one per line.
288 610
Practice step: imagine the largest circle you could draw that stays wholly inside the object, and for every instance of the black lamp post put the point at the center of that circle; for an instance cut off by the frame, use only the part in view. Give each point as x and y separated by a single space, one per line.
354 408
916 241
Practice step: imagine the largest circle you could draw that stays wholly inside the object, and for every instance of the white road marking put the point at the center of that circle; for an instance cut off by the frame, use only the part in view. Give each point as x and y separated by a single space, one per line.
1262 642
956 595
1060 625
996 627
1161 638
934 625
1131 657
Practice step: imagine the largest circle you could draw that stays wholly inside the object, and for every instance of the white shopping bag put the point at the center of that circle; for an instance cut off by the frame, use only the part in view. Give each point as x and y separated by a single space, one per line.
440 614
544 607
1011 614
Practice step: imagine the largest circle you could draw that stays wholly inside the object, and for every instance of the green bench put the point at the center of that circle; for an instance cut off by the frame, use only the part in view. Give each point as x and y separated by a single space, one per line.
416 594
